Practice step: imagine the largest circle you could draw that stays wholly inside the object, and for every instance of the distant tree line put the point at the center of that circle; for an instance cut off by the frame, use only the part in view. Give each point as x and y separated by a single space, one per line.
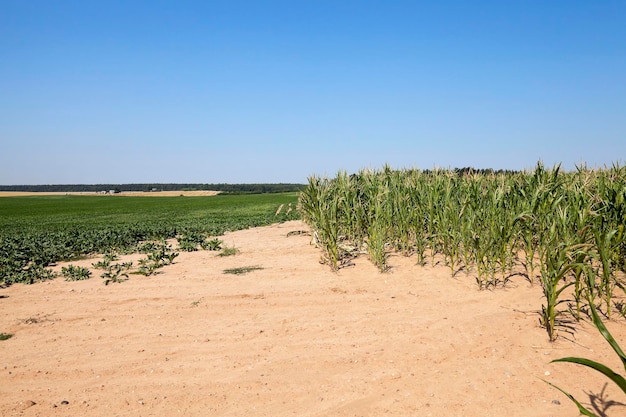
488 171
224 188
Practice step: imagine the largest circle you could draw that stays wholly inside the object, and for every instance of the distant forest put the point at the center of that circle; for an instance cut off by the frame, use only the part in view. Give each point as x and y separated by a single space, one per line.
224 188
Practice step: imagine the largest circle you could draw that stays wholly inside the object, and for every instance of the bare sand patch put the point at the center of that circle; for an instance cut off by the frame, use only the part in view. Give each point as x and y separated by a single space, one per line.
292 338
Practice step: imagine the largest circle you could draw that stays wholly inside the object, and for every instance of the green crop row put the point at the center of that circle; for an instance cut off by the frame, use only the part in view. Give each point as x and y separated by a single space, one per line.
38 231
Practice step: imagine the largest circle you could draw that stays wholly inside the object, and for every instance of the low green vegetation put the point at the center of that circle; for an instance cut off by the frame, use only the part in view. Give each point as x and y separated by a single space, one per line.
158 254
115 273
5 336
37 231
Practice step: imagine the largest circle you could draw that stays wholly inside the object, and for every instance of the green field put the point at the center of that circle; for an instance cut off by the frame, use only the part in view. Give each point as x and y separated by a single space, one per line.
40 230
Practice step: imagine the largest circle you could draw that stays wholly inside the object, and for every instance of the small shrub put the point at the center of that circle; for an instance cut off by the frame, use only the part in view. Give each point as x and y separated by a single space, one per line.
5 336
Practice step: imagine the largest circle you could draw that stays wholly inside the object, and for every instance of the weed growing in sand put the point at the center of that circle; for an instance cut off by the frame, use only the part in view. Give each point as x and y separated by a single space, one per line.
229 251
197 302
242 270
5 336
75 273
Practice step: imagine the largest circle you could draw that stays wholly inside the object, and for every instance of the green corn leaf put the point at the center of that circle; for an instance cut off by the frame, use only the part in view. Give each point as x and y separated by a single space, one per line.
605 370
582 410
607 335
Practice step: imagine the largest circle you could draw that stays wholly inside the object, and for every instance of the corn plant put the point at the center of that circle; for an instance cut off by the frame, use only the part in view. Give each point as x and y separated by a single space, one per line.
320 208
378 228
556 263
606 243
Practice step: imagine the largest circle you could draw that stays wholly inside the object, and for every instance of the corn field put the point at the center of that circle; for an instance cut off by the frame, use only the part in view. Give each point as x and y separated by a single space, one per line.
560 230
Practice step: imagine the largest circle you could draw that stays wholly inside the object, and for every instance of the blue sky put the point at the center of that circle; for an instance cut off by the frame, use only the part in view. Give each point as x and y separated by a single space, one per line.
274 91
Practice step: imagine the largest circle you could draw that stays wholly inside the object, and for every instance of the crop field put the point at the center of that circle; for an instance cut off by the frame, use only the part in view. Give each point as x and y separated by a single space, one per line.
558 229
562 231
37 231
230 321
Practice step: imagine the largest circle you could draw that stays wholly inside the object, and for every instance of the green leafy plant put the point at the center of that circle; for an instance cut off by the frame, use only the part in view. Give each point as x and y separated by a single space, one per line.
5 336
75 273
160 254
212 245
556 264
115 273
106 261
190 241
30 274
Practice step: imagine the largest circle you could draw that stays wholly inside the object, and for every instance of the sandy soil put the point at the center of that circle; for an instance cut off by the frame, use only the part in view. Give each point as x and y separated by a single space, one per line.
123 193
291 339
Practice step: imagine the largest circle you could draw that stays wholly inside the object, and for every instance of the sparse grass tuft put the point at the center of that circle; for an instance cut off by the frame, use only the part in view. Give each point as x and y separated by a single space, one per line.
242 270
229 251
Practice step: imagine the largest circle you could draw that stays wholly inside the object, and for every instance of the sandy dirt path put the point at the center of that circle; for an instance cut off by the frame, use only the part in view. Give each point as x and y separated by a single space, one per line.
291 339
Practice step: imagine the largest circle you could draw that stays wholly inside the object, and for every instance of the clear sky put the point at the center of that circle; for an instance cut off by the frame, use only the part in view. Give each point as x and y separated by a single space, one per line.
122 91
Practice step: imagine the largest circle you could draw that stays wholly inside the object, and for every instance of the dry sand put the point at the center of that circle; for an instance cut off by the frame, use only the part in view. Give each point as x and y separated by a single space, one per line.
292 339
